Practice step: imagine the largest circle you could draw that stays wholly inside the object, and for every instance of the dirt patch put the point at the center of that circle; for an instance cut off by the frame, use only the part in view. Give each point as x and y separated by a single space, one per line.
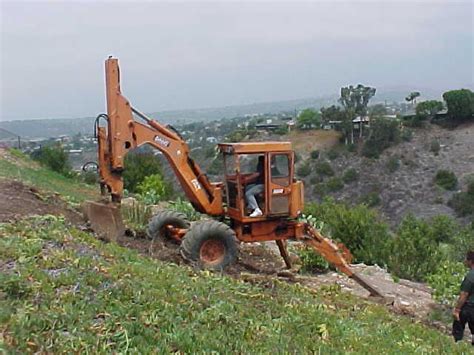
18 200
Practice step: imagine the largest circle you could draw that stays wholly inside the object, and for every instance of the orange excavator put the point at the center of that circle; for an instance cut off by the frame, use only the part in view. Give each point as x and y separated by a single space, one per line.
211 243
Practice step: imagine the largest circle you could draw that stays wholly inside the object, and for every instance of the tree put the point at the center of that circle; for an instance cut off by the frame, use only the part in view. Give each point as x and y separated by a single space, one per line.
308 119
54 157
460 104
383 133
139 165
355 101
412 97
428 109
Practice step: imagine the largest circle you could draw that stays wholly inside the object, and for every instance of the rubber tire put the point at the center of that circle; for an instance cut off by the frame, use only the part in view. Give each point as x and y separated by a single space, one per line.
204 231
163 218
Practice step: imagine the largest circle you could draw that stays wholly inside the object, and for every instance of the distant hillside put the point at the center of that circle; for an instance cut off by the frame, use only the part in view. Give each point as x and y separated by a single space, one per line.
45 128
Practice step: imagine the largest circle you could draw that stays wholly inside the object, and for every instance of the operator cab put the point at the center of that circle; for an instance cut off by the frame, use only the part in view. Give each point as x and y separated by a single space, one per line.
270 164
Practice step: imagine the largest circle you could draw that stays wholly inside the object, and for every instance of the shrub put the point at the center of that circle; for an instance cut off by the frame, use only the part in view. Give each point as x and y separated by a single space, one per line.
446 179
333 154
154 189
406 135
358 227
323 168
320 190
371 199
445 281
304 169
139 165
463 202
310 260
393 163
435 147
136 215
334 184
351 148
444 229
90 177
315 154
55 158
350 175
217 166
415 253
383 133
185 207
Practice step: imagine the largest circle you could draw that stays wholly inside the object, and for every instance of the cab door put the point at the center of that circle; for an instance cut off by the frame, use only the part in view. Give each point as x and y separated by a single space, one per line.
279 183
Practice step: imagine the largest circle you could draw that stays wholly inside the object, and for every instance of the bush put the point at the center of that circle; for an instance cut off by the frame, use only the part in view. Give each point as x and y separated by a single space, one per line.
323 168
154 189
334 184
310 260
393 163
445 281
55 158
90 177
333 154
315 154
217 166
371 199
406 135
463 202
415 253
358 227
446 179
383 133
435 147
350 175
139 165
185 207
304 169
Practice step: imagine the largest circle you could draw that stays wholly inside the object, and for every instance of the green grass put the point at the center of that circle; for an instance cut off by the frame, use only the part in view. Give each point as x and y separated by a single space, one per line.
24 169
63 291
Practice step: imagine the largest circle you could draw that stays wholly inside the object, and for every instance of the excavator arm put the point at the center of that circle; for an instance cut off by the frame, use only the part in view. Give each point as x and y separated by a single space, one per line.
123 132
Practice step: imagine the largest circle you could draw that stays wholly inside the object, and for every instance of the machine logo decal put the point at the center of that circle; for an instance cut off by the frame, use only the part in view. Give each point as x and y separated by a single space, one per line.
162 141
277 191
196 184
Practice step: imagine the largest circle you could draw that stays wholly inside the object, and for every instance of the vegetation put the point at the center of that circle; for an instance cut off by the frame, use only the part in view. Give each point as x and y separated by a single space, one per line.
460 104
463 202
99 297
304 169
383 134
435 147
412 97
426 110
334 184
139 165
323 168
350 175
55 158
315 154
154 189
371 199
30 172
184 206
393 163
308 119
446 179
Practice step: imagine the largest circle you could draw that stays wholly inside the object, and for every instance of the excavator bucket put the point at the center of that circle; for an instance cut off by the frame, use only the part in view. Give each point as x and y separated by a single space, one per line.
337 255
105 219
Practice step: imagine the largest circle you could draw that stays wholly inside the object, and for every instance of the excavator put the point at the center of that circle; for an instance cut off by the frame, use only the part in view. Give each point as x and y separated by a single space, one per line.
211 243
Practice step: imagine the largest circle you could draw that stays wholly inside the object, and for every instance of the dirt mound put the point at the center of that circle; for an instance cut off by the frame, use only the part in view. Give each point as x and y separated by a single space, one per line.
18 200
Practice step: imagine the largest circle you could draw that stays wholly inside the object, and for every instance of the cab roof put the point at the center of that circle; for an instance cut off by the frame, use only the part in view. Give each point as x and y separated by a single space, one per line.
254 147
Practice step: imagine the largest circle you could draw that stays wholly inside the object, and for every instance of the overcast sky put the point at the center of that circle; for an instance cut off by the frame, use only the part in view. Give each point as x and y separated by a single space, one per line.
204 54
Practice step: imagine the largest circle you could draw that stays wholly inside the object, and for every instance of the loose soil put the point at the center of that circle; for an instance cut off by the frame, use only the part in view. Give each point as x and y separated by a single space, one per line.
18 200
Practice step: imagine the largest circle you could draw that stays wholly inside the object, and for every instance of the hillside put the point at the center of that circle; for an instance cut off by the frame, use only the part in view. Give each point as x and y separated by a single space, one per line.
402 177
61 290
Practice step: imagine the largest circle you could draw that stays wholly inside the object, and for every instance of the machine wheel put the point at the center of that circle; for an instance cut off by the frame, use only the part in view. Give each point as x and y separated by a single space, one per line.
159 222
211 244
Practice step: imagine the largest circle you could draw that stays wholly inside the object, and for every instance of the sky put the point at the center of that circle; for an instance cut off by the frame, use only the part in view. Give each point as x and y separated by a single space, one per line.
180 55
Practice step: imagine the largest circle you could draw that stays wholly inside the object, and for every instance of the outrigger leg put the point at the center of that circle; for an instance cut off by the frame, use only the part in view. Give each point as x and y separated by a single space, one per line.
336 256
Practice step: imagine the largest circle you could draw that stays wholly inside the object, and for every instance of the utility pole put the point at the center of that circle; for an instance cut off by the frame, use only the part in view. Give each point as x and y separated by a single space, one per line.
19 142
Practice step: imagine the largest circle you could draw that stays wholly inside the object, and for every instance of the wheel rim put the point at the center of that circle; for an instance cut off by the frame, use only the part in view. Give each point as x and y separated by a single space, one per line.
212 251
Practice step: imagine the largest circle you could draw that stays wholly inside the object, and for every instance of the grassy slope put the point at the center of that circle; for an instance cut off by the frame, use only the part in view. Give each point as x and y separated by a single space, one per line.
13 165
62 291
